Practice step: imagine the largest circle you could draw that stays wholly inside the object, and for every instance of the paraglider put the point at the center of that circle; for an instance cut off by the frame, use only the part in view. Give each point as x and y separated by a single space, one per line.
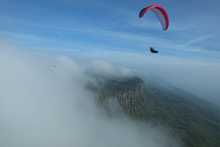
152 50
160 12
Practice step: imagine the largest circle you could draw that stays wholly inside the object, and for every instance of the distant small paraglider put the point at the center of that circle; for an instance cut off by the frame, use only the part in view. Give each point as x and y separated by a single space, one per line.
152 50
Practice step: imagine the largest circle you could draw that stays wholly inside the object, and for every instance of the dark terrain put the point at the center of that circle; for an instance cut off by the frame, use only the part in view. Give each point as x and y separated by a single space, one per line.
195 121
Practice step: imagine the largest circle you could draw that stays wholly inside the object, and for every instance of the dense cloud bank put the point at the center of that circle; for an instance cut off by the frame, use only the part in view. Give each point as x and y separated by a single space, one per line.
44 102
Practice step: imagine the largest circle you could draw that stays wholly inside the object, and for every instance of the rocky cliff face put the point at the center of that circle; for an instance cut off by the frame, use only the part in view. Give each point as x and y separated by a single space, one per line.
129 93
195 121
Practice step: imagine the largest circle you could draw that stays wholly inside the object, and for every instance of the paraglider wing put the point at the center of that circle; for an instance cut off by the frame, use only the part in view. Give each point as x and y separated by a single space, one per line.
160 12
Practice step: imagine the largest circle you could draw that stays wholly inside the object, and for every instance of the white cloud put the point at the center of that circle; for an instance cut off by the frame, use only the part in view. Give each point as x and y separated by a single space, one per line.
43 102
128 38
199 39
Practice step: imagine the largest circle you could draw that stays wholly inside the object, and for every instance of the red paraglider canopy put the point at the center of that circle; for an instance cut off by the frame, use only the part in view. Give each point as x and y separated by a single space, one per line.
160 12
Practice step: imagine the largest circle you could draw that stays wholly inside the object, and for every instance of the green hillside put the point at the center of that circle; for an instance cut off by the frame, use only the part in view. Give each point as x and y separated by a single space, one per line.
195 121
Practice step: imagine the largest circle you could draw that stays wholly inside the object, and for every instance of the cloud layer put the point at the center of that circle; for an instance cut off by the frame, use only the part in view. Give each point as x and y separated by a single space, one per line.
43 102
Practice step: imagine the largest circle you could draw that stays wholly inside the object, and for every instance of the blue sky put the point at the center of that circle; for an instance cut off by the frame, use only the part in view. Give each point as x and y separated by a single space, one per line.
100 25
